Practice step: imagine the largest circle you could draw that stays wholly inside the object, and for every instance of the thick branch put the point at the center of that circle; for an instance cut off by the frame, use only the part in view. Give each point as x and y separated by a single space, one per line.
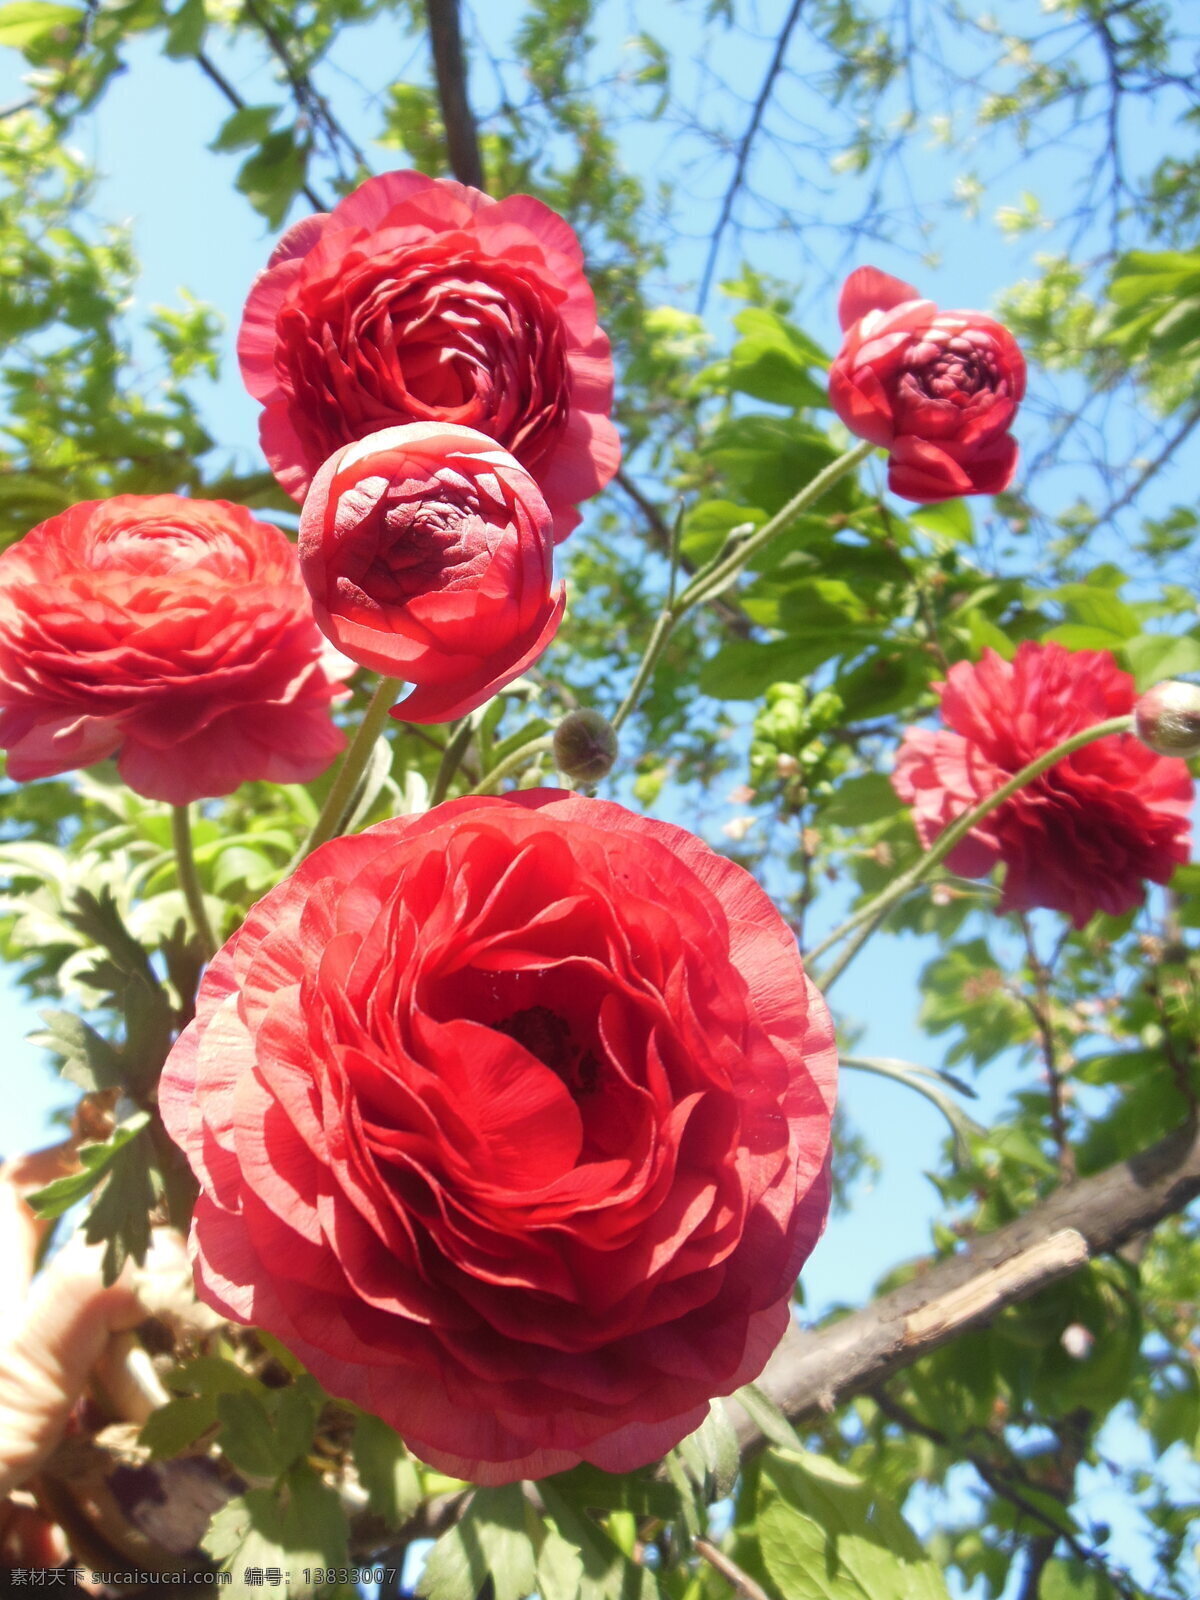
813 1372
462 144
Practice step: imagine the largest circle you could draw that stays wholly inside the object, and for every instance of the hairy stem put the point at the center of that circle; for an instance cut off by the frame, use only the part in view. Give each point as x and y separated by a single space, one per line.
710 580
941 847
189 880
354 763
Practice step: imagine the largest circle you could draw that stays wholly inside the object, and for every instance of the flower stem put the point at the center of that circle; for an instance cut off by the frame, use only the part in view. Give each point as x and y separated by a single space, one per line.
710 580
874 911
513 762
456 749
354 763
189 880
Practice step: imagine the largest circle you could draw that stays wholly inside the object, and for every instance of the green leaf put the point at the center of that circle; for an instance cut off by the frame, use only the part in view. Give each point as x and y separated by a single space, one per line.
274 175
771 361
247 1437
119 1217
855 801
170 1429
294 1417
744 669
314 1528
386 1470
1155 656
603 1571
248 1531
589 1488
1073 1580
87 1058
947 519
711 1454
27 20
185 30
248 126
493 1538
826 1535
98 1162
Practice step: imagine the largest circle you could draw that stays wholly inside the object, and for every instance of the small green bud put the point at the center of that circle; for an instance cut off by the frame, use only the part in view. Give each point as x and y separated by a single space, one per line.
1167 718
585 746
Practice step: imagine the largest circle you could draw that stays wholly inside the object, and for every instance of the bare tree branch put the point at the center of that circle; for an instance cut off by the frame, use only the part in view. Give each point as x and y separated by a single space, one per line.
739 171
215 75
814 1371
462 142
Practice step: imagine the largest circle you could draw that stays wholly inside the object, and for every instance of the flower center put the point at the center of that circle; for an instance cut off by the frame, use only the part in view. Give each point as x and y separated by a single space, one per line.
959 368
548 1037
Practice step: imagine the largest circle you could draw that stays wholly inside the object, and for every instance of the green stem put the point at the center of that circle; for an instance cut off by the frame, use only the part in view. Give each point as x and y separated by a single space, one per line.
874 911
706 583
709 581
189 880
354 763
513 762
658 638
455 750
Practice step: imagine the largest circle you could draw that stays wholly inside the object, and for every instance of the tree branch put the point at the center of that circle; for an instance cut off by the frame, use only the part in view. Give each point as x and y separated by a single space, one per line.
739 171
462 143
814 1371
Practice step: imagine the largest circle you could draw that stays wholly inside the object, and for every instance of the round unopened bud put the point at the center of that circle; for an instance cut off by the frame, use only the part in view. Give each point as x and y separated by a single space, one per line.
1167 718
585 746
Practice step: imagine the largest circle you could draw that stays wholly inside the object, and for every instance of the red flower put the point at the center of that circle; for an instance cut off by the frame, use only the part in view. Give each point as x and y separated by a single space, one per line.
1083 837
175 632
937 389
428 553
421 300
512 1121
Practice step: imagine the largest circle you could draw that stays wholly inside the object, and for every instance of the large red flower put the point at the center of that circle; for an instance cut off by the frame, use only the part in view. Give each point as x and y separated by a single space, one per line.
1087 834
175 634
428 553
937 389
512 1121
421 300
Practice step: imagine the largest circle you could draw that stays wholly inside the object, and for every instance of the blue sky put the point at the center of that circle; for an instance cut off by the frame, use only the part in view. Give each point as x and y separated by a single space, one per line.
192 230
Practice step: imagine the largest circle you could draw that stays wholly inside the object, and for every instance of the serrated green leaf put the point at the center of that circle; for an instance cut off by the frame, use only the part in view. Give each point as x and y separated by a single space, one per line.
170 1429
313 1525
386 1470
87 1058
247 1436
492 1539
604 1572
97 1159
826 1535
294 1418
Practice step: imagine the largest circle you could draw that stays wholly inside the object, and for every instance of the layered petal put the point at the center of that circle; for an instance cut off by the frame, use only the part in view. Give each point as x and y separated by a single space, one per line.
173 633
937 389
1090 832
512 1120
422 300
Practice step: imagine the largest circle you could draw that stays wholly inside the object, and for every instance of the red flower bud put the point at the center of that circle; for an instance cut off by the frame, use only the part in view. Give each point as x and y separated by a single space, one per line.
428 551
937 389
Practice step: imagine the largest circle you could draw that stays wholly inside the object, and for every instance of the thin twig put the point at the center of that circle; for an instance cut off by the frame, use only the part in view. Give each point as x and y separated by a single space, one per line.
743 156
211 71
739 1581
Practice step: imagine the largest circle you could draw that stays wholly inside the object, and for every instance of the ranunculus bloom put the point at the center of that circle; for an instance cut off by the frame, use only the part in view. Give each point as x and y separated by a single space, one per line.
512 1121
175 634
1087 834
428 553
937 389
421 300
